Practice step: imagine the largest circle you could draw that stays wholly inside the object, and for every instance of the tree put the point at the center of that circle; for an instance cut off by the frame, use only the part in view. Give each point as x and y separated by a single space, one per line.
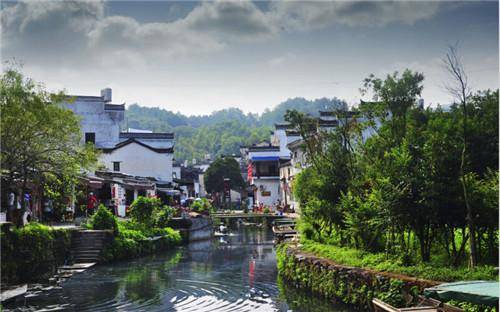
460 90
40 140
398 94
221 168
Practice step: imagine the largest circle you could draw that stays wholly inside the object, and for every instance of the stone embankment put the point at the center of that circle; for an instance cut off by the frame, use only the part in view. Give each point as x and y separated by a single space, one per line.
346 284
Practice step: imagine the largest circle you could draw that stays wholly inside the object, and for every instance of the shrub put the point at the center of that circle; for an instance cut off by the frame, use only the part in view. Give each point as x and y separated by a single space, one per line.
143 209
163 216
32 251
202 206
103 219
266 210
381 262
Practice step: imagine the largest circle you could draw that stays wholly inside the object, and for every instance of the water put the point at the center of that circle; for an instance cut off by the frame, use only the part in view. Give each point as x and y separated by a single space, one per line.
235 273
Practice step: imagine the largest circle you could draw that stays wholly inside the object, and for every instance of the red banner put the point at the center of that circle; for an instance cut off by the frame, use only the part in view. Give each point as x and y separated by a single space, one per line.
249 172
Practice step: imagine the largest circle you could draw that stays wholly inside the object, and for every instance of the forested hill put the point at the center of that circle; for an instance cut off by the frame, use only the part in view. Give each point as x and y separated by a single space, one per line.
221 132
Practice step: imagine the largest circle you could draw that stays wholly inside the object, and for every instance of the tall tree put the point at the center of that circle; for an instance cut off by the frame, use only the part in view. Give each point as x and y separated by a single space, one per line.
460 90
40 140
221 168
398 94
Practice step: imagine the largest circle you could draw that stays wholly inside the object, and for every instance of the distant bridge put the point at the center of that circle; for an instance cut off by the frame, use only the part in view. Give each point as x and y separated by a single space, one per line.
241 215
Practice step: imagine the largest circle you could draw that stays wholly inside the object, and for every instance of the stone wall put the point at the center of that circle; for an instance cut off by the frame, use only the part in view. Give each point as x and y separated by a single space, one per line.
345 284
200 229
31 254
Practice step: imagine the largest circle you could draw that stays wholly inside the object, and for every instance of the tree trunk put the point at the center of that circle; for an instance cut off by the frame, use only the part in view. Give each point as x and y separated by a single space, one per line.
469 216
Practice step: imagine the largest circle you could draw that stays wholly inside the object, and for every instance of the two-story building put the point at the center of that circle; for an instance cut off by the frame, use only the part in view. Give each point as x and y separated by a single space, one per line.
135 155
264 161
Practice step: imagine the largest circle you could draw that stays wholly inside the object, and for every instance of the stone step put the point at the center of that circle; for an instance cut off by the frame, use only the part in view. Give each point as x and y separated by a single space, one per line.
87 244
86 259
87 248
85 252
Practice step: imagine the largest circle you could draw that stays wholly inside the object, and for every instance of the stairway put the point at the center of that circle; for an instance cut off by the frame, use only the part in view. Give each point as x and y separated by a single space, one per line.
87 246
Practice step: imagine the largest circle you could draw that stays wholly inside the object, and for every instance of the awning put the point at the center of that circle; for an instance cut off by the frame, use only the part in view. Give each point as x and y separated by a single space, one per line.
168 191
265 158
478 292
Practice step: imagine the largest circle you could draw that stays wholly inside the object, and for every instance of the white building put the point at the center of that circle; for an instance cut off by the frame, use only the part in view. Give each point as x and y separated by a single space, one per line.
264 162
100 120
140 154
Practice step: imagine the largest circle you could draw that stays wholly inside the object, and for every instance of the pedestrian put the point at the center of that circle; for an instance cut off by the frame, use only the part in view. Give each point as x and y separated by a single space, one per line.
48 210
91 204
11 201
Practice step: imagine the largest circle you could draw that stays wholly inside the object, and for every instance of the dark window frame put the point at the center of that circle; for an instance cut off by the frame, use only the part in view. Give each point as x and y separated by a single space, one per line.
116 164
90 137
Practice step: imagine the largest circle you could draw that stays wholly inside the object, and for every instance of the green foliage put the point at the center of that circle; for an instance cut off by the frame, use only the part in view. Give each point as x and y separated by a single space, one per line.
222 132
470 307
143 210
226 167
103 219
381 262
338 283
163 215
400 192
359 287
40 140
202 206
135 239
32 251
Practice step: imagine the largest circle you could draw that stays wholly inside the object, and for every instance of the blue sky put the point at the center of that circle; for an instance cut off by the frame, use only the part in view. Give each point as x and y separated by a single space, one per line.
198 57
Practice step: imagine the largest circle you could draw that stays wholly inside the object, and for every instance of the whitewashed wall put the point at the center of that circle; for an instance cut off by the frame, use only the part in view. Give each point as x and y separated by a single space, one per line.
138 160
93 118
272 185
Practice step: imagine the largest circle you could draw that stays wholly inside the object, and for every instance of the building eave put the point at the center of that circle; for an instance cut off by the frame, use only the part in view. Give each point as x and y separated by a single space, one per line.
132 140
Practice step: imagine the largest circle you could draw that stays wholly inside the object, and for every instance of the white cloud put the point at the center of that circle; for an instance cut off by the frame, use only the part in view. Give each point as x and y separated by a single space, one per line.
282 59
51 30
295 15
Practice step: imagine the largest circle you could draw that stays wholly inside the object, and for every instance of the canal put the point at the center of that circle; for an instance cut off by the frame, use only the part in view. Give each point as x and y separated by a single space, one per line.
232 273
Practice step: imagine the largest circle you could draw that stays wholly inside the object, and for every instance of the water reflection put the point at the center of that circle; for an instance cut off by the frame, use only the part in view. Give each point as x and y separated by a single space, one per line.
230 273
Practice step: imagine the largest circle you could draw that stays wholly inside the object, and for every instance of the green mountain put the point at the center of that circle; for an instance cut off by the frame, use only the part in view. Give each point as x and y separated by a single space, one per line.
222 132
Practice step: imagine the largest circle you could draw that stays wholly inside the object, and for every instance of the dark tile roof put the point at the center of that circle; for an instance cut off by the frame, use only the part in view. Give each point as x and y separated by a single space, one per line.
327 113
292 133
323 122
282 125
133 140
114 107
263 148
138 135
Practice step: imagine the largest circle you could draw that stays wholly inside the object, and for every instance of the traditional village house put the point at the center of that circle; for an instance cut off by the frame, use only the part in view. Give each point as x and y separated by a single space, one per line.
264 166
130 158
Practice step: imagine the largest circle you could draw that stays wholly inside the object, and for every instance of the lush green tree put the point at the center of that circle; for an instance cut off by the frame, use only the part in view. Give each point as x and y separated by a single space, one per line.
401 190
397 94
221 168
40 140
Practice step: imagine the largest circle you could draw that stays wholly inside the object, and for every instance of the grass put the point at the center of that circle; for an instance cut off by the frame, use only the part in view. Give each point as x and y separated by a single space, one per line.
381 262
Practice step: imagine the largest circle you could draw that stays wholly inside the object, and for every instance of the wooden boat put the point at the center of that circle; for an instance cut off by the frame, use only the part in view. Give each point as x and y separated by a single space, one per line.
14 292
425 305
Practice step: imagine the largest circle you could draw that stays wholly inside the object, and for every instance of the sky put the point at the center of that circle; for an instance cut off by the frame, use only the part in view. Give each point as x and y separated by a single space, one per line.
197 57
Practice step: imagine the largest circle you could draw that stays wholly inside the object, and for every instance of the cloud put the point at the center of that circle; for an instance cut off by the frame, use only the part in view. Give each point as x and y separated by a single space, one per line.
231 20
294 15
282 59
72 31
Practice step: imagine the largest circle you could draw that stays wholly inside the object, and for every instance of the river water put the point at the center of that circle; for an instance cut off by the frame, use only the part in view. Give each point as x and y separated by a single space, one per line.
232 273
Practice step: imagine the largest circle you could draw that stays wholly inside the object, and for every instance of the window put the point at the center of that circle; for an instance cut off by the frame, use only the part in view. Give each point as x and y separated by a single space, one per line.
90 137
116 166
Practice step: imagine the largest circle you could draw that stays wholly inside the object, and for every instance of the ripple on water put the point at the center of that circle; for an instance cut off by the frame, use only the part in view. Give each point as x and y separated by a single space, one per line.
240 276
